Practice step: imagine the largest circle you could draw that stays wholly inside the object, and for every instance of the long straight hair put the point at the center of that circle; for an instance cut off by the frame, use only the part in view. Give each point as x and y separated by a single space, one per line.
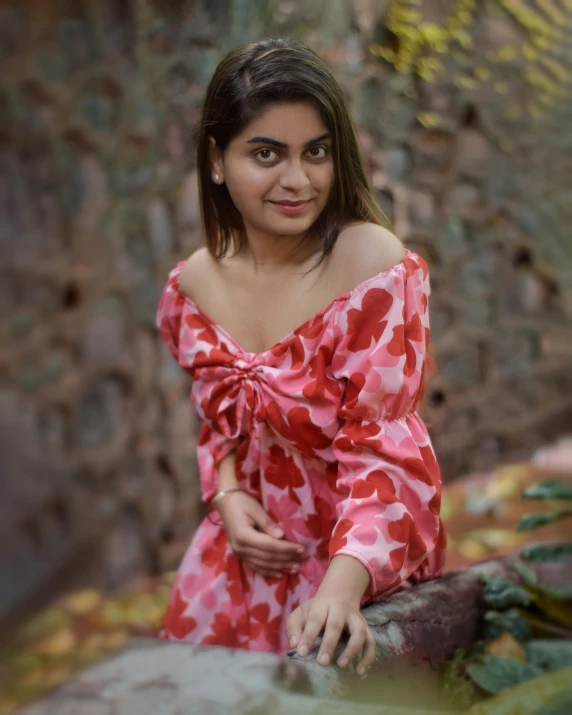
247 81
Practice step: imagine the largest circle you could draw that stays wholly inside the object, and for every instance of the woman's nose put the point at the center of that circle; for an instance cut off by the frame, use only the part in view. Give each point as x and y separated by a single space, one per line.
294 177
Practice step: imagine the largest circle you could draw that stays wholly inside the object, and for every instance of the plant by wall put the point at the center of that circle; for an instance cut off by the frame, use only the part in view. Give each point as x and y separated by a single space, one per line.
524 658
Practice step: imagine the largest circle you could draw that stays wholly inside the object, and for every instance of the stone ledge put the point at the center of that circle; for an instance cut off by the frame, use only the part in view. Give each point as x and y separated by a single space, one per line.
415 631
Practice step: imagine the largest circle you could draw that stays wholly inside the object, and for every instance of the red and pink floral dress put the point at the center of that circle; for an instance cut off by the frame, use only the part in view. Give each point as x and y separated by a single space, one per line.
328 439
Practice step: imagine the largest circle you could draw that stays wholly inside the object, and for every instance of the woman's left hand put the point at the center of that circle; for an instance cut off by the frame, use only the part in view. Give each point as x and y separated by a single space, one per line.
334 615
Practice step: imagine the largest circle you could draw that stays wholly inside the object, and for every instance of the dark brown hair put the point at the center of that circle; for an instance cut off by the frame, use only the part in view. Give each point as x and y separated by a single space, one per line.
245 83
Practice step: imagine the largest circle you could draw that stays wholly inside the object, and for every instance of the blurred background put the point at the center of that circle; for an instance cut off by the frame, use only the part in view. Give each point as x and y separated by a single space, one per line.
464 114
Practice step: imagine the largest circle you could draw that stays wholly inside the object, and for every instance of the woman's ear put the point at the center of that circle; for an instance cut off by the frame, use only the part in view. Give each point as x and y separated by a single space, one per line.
215 161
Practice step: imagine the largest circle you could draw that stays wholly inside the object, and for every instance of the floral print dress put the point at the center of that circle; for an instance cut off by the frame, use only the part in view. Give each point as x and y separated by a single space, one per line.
328 439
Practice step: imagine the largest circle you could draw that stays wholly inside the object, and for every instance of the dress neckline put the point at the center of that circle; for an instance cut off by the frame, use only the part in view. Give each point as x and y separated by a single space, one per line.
253 356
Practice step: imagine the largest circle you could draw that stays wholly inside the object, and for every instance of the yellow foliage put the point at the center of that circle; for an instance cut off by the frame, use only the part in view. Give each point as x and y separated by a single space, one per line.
472 550
540 81
465 82
510 479
550 9
483 73
81 602
47 677
529 52
507 53
115 639
496 538
560 72
59 643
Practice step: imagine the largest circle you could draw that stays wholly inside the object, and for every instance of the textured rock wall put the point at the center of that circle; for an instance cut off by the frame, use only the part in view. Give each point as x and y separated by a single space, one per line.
464 114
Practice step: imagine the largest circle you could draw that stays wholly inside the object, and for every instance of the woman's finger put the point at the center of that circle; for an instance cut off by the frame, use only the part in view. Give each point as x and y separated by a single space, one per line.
368 655
264 569
256 539
358 635
314 623
335 624
294 626
244 545
269 560
264 521
266 572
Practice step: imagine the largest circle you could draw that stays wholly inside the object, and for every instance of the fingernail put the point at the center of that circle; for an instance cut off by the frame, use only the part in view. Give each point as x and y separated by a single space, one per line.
303 650
300 551
342 662
294 568
324 659
360 670
278 533
293 641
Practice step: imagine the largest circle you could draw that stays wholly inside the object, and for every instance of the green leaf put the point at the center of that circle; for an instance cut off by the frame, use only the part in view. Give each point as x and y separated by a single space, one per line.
547 552
500 592
560 593
495 673
529 697
510 621
552 489
549 654
533 521
526 573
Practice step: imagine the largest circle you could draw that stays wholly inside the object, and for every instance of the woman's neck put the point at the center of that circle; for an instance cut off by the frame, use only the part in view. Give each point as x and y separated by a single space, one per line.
261 251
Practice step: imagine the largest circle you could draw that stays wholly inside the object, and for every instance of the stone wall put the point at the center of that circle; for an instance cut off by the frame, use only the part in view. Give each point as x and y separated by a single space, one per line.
464 116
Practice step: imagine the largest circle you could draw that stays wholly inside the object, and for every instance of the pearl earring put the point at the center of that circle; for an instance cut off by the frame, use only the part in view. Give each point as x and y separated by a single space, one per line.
216 177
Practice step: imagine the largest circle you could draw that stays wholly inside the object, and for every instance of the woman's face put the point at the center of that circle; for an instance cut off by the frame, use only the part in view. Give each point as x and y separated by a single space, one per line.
279 170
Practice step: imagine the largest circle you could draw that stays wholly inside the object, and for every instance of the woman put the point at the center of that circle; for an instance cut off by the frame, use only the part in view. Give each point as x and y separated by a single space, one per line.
304 325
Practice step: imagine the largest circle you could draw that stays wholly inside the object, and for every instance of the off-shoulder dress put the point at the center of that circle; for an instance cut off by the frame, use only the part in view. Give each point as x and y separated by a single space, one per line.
327 437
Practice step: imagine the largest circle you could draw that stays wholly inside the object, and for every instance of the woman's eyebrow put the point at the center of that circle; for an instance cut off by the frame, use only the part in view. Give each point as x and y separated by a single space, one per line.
283 145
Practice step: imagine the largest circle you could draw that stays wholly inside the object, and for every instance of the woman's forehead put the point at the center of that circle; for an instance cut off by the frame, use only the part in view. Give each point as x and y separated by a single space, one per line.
293 123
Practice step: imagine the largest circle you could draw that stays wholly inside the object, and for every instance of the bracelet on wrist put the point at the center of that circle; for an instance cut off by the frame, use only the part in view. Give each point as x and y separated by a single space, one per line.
218 497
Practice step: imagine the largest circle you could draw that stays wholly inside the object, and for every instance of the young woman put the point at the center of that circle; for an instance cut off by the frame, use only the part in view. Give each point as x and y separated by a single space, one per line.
304 325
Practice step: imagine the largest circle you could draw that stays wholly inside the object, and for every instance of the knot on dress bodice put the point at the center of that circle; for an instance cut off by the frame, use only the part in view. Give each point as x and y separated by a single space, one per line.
235 404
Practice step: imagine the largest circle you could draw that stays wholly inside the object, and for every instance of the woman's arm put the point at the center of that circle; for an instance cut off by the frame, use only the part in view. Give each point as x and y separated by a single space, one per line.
227 473
345 579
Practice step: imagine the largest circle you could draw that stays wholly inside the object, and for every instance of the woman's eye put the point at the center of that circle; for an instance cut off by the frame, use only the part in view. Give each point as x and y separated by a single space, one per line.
265 154
318 152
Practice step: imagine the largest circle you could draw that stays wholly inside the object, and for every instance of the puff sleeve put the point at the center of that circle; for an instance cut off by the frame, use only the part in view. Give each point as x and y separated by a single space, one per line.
388 517
170 312
212 446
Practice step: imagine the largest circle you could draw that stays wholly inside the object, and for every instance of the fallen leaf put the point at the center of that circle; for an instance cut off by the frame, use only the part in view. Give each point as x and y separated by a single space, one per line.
509 480
116 639
82 602
471 549
59 643
46 677
506 646
495 538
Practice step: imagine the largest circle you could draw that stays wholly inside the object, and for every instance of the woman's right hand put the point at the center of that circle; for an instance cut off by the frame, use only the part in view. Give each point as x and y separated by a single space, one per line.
255 538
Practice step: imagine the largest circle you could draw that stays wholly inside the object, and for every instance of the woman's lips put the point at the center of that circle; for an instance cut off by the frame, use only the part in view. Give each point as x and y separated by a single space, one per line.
291 207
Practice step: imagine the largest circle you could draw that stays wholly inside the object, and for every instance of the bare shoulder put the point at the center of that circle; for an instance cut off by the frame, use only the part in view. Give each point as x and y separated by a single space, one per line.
199 269
364 250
